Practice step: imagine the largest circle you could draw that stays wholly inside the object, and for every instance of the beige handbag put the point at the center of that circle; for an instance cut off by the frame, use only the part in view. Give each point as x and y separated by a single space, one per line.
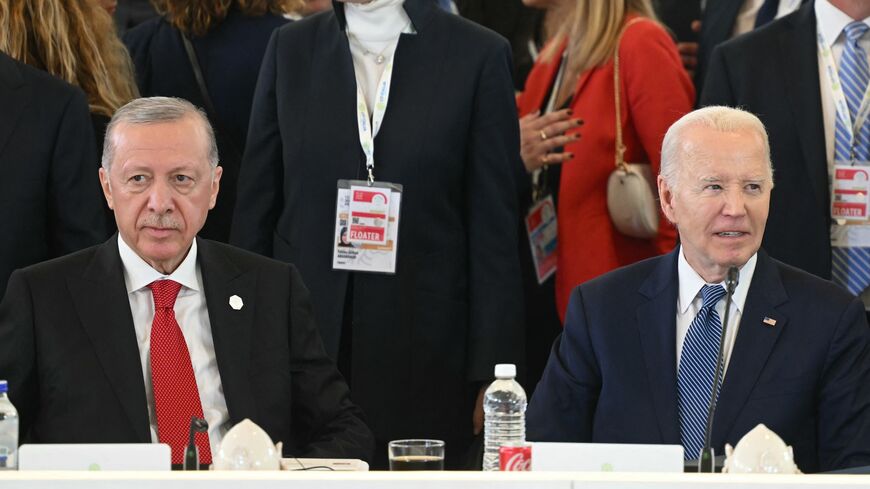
631 199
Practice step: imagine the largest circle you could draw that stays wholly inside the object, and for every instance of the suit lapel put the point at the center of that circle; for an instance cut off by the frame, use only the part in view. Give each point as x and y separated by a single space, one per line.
103 307
755 340
14 96
800 80
656 323
231 328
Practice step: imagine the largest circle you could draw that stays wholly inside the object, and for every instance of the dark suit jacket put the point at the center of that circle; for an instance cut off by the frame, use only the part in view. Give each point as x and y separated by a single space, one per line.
69 351
773 72
612 375
450 136
717 25
229 56
49 192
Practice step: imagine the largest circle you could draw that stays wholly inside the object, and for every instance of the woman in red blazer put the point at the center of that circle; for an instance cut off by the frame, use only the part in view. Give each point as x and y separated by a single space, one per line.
655 91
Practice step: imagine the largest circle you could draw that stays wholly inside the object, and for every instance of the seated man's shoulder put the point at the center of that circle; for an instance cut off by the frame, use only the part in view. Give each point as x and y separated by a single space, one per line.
811 292
629 277
244 259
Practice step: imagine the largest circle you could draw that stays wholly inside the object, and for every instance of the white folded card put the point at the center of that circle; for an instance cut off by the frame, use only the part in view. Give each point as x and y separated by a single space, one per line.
95 456
606 457
328 464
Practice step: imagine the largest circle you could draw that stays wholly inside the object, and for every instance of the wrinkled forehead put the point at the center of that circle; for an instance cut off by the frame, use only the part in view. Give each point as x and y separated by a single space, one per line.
707 152
184 138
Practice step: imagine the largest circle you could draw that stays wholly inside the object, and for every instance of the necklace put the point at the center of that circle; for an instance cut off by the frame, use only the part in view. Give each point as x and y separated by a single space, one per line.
379 57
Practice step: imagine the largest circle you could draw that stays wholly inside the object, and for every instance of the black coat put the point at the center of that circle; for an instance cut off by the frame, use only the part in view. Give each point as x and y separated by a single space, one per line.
453 309
68 348
229 56
50 191
773 72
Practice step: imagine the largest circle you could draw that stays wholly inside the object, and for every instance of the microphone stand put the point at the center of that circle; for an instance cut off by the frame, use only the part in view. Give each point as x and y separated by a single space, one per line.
191 454
706 460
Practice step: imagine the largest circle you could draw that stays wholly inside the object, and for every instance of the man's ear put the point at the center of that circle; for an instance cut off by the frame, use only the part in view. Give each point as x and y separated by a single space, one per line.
107 188
666 199
215 186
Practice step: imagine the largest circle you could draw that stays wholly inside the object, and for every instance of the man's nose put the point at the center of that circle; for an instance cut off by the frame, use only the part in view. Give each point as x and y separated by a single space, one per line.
735 203
160 197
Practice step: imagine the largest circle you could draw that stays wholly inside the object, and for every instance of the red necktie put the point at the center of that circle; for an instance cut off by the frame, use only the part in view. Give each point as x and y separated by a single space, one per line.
176 397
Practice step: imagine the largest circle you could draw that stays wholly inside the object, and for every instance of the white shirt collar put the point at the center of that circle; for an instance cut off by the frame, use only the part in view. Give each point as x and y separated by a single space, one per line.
691 283
830 21
377 21
138 273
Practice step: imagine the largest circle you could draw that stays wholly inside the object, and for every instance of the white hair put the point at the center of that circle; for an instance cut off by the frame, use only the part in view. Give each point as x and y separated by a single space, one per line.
719 118
154 110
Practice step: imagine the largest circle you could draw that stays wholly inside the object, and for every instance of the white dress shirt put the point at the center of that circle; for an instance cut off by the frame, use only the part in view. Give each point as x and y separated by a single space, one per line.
830 22
690 300
373 29
745 20
192 316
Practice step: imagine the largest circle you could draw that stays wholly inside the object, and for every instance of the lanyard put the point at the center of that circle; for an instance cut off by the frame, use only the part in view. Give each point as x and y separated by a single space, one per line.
840 96
367 132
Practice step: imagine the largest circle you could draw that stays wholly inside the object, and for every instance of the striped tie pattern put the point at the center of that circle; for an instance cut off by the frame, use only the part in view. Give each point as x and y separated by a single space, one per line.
851 266
697 369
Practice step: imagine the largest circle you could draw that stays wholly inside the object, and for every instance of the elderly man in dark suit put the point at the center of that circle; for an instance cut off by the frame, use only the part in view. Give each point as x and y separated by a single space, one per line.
637 360
127 340
50 197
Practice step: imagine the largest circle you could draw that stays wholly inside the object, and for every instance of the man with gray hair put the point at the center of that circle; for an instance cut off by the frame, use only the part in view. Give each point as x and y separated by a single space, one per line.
126 341
642 345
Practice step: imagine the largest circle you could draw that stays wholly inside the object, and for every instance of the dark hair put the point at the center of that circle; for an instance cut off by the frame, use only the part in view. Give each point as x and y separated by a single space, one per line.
195 18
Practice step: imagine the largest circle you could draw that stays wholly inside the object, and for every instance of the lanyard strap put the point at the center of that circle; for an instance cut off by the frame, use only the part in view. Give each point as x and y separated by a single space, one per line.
840 97
367 131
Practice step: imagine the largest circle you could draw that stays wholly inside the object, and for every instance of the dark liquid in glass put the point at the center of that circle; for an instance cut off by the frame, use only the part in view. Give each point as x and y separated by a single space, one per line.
417 462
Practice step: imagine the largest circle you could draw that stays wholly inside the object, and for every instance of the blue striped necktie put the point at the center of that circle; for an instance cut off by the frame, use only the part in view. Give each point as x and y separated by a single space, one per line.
851 266
697 369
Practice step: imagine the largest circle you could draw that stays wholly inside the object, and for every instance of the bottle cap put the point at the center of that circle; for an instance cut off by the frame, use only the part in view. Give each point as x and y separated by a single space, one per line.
505 371
4 387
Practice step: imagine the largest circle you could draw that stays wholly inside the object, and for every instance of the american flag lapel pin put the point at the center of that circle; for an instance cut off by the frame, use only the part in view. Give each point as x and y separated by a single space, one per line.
769 321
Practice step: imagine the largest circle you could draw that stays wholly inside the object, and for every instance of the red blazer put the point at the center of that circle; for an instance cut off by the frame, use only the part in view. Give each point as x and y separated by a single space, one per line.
655 92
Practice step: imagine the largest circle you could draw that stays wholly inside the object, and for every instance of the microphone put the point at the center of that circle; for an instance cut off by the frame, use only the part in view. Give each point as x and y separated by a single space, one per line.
705 461
191 453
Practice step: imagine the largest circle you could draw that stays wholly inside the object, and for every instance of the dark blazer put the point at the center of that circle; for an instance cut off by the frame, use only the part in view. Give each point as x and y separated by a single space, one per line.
773 72
612 375
69 351
49 191
453 309
229 56
717 25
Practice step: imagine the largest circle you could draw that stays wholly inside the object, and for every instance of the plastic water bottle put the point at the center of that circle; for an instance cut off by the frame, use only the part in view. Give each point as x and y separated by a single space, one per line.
504 408
8 430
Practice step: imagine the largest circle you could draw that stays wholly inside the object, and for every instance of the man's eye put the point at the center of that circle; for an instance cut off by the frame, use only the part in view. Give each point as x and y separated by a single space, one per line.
713 186
182 179
137 178
753 187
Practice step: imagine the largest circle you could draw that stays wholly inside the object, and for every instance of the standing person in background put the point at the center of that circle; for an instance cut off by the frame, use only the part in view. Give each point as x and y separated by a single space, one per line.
419 344
49 189
806 76
726 19
228 39
541 319
74 40
572 82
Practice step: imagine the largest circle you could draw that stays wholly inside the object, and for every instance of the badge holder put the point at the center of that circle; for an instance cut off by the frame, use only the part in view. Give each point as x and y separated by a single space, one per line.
367 226
542 228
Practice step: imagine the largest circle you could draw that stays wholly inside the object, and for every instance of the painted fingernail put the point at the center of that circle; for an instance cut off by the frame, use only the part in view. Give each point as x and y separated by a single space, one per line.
579 122
570 112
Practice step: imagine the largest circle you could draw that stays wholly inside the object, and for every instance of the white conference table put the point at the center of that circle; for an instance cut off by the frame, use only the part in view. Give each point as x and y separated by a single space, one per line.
418 480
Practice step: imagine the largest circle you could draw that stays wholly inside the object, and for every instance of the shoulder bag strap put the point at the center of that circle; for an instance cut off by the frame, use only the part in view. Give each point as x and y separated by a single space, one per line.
206 98
620 147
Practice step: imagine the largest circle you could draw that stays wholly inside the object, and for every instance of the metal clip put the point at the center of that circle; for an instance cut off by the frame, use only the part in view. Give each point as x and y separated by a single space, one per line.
371 176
